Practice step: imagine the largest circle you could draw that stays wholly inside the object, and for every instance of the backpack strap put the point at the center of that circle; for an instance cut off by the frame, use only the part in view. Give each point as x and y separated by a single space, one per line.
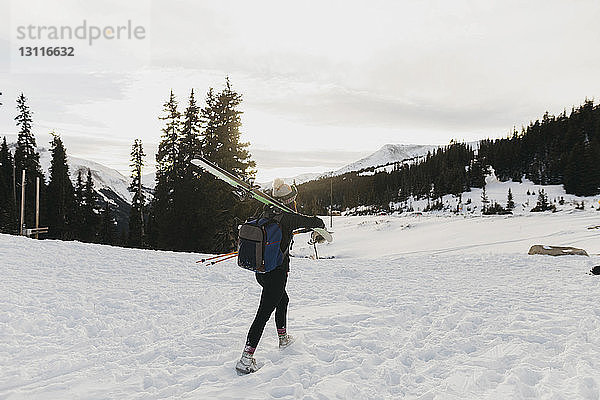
277 217
270 213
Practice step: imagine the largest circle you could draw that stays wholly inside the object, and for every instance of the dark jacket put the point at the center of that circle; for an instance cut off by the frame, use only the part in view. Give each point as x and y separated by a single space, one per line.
289 223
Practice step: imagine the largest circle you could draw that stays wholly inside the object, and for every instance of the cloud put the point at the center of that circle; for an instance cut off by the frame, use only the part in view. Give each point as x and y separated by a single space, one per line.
328 75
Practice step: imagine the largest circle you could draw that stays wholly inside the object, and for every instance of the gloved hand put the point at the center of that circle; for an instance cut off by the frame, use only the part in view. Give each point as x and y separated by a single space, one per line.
316 238
320 222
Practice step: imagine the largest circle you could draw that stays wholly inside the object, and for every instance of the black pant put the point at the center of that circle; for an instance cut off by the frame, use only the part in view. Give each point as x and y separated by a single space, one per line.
273 297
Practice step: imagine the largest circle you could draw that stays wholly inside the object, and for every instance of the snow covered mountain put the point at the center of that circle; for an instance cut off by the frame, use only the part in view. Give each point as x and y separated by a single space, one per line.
386 155
389 153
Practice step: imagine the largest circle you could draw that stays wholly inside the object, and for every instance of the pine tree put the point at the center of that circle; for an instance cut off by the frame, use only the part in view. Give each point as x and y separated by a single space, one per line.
189 143
189 200
107 234
510 204
543 199
222 145
26 158
168 149
163 233
89 211
136 214
484 200
78 223
231 154
61 205
8 214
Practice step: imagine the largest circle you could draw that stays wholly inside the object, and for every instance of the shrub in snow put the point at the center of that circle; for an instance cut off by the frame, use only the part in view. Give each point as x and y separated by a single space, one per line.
496 209
542 203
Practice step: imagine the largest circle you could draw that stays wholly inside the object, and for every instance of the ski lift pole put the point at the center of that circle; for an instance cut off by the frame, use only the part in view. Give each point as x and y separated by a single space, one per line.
330 203
22 221
37 207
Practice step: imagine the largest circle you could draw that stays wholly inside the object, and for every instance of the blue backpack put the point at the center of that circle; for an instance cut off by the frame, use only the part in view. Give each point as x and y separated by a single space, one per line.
259 244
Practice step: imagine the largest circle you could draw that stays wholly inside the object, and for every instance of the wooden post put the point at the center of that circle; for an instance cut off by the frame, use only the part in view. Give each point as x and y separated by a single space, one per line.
21 226
37 206
331 202
14 191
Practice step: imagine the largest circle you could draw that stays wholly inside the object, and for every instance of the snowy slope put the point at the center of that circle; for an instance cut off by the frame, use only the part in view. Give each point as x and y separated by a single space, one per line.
411 307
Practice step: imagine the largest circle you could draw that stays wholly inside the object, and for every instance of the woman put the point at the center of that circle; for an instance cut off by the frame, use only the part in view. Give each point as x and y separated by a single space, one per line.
274 296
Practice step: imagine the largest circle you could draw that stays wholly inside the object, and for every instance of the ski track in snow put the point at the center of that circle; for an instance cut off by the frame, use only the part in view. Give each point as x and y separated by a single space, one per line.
96 322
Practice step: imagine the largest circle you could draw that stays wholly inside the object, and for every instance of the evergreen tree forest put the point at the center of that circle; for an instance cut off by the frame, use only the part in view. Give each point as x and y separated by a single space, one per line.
556 150
191 210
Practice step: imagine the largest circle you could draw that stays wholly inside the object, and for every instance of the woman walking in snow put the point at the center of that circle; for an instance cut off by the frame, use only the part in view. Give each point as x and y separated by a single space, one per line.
274 296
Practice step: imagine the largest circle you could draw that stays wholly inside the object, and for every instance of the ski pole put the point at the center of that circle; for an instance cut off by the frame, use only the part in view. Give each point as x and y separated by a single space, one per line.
302 230
221 259
217 256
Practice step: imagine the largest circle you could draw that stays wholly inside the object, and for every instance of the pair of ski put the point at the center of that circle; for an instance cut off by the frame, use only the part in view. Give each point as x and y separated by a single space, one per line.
246 190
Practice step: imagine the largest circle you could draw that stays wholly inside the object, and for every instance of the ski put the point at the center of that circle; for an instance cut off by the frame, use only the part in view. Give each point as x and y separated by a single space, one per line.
246 189
240 185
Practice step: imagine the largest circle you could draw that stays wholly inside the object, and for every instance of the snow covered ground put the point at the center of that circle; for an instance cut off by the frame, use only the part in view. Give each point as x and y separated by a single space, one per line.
411 307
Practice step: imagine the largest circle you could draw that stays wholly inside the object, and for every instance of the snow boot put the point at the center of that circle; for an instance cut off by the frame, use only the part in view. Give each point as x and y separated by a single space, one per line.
247 364
284 338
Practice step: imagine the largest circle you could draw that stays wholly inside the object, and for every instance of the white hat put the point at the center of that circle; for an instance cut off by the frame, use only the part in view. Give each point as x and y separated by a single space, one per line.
284 192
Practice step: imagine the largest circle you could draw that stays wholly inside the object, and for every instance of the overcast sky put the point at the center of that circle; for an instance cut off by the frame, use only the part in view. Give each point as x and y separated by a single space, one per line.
324 82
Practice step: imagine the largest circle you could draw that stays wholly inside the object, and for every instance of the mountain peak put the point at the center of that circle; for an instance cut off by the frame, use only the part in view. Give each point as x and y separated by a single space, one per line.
387 154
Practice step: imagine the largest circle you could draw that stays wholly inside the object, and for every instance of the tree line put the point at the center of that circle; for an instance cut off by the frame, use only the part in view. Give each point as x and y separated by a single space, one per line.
70 211
556 150
189 211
